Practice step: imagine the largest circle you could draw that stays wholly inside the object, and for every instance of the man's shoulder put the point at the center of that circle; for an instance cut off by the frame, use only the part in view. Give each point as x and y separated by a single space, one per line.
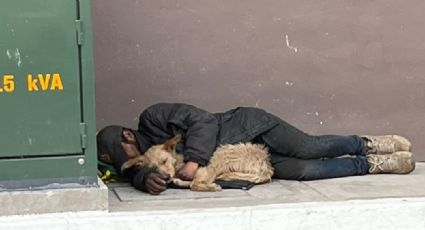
167 105
250 109
155 108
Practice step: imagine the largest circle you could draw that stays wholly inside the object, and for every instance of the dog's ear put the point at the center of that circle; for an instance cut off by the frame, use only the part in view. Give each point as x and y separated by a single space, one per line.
170 145
138 161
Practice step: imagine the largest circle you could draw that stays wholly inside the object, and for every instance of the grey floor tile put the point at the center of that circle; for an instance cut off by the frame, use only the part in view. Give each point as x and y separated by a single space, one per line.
131 194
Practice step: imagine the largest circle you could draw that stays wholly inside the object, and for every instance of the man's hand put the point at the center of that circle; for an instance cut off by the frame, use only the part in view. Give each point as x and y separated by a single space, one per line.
155 183
187 172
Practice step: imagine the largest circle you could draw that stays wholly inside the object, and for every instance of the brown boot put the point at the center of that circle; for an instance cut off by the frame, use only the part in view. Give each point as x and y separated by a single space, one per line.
386 144
398 163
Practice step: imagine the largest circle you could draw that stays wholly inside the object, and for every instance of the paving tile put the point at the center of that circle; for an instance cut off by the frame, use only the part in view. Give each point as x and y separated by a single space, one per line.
131 194
373 186
279 191
286 191
118 184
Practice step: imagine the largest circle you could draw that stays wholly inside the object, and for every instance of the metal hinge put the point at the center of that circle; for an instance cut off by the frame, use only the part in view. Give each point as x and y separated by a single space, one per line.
83 134
80 33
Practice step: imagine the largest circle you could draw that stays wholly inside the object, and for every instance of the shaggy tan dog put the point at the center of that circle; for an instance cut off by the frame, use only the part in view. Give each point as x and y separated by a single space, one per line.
243 161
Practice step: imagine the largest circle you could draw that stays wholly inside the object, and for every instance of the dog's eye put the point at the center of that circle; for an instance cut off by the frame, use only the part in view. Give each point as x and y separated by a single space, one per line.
164 161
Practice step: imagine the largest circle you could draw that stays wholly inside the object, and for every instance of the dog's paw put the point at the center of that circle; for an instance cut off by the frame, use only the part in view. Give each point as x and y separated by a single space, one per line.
205 187
125 166
180 183
217 188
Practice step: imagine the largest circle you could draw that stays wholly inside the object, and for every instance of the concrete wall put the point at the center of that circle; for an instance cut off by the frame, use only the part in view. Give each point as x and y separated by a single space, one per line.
326 66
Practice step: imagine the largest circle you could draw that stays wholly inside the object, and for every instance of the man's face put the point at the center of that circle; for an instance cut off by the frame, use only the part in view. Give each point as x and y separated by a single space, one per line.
129 143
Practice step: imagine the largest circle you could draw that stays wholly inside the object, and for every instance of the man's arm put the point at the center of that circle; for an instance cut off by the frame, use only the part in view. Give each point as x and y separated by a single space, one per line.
199 129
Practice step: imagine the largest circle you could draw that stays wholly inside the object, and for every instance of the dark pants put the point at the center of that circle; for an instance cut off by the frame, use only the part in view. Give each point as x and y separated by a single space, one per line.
296 155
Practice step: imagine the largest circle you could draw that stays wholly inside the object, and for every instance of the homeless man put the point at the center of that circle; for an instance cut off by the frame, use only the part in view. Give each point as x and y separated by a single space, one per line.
294 154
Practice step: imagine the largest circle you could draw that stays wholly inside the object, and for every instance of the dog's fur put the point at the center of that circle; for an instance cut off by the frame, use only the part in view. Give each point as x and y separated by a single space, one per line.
244 161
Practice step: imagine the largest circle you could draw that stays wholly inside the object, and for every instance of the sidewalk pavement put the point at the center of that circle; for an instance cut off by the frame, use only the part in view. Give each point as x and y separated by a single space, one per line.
360 202
123 197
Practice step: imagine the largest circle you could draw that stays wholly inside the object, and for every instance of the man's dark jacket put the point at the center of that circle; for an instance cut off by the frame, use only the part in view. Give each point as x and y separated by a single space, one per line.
202 131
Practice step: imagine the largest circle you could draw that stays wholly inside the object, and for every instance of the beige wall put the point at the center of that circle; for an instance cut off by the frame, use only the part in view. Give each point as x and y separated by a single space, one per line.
326 66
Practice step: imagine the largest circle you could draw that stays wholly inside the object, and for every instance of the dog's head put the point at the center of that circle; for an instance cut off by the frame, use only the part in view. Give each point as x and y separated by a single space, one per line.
162 157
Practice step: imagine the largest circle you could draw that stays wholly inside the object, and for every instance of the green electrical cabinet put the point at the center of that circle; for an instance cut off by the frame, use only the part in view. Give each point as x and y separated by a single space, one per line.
47 116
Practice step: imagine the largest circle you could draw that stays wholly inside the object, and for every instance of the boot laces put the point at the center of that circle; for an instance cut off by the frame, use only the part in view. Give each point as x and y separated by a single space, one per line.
381 163
382 145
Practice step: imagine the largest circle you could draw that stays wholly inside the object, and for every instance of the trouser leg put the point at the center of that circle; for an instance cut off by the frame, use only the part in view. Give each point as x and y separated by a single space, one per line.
286 140
291 168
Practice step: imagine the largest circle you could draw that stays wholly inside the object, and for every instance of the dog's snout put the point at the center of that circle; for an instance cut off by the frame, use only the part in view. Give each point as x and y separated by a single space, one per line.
167 176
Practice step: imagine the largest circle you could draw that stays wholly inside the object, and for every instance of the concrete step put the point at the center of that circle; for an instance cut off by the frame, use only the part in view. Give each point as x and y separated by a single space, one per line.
362 202
391 213
65 198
